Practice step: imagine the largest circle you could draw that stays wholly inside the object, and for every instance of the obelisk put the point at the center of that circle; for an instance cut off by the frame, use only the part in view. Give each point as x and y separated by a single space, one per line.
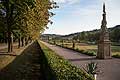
104 44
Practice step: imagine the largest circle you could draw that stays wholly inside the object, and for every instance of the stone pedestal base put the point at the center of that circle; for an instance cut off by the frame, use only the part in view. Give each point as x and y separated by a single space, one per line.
104 50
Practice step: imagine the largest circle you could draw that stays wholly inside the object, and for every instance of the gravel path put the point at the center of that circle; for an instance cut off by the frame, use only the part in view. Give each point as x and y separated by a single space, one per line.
109 69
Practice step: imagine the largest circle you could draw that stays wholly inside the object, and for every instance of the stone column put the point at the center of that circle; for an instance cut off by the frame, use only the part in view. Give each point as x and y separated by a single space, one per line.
104 44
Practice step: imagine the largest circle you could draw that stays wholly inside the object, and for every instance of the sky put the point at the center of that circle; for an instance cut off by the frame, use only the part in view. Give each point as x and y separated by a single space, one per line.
82 15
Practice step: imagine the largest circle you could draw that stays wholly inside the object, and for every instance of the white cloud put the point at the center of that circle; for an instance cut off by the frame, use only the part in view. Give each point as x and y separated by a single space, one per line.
60 1
67 1
84 15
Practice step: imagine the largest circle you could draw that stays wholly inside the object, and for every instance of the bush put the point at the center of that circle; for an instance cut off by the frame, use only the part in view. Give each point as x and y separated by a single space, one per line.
62 68
116 56
81 51
91 53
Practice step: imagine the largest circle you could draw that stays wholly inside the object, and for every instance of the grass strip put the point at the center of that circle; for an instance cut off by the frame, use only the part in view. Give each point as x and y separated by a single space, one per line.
87 52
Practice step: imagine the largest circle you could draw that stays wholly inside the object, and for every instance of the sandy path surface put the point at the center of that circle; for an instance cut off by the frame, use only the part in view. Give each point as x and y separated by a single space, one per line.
4 45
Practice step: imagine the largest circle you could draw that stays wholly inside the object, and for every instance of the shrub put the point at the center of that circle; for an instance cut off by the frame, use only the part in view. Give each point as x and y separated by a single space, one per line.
62 68
82 51
91 53
116 56
91 68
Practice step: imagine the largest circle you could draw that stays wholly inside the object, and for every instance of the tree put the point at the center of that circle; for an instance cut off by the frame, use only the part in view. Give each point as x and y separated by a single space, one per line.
30 17
115 35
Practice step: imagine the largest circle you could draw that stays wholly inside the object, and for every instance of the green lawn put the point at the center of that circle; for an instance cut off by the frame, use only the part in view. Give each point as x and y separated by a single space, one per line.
88 47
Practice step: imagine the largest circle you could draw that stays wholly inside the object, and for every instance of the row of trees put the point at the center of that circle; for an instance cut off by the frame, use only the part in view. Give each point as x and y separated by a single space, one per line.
24 19
87 36
93 36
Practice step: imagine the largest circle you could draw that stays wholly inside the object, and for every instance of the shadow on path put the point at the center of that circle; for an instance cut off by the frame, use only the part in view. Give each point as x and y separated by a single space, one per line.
30 65
82 59
3 52
7 54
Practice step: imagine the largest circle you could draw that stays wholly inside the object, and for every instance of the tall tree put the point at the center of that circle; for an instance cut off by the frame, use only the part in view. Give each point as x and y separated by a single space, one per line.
30 17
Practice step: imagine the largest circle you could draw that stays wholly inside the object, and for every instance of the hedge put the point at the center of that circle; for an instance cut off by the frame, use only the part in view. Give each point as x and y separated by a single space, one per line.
116 56
63 69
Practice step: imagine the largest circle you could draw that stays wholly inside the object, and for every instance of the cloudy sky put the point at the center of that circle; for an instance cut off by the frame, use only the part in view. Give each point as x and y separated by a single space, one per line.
82 15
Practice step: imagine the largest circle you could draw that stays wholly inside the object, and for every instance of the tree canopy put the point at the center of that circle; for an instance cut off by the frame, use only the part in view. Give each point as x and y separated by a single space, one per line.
25 18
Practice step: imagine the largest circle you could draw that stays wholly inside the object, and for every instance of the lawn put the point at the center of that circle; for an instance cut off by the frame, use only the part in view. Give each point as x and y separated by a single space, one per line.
114 49
88 47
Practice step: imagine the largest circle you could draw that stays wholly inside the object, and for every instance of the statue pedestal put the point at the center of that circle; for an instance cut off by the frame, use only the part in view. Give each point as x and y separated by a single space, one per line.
104 50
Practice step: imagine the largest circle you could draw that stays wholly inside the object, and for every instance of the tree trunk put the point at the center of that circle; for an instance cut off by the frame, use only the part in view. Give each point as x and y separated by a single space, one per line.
73 45
26 40
10 42
22 40
62 43
54 42
19 42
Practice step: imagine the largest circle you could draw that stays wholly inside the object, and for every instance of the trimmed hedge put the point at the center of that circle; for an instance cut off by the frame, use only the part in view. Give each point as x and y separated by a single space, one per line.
62 68
90 53
116 56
